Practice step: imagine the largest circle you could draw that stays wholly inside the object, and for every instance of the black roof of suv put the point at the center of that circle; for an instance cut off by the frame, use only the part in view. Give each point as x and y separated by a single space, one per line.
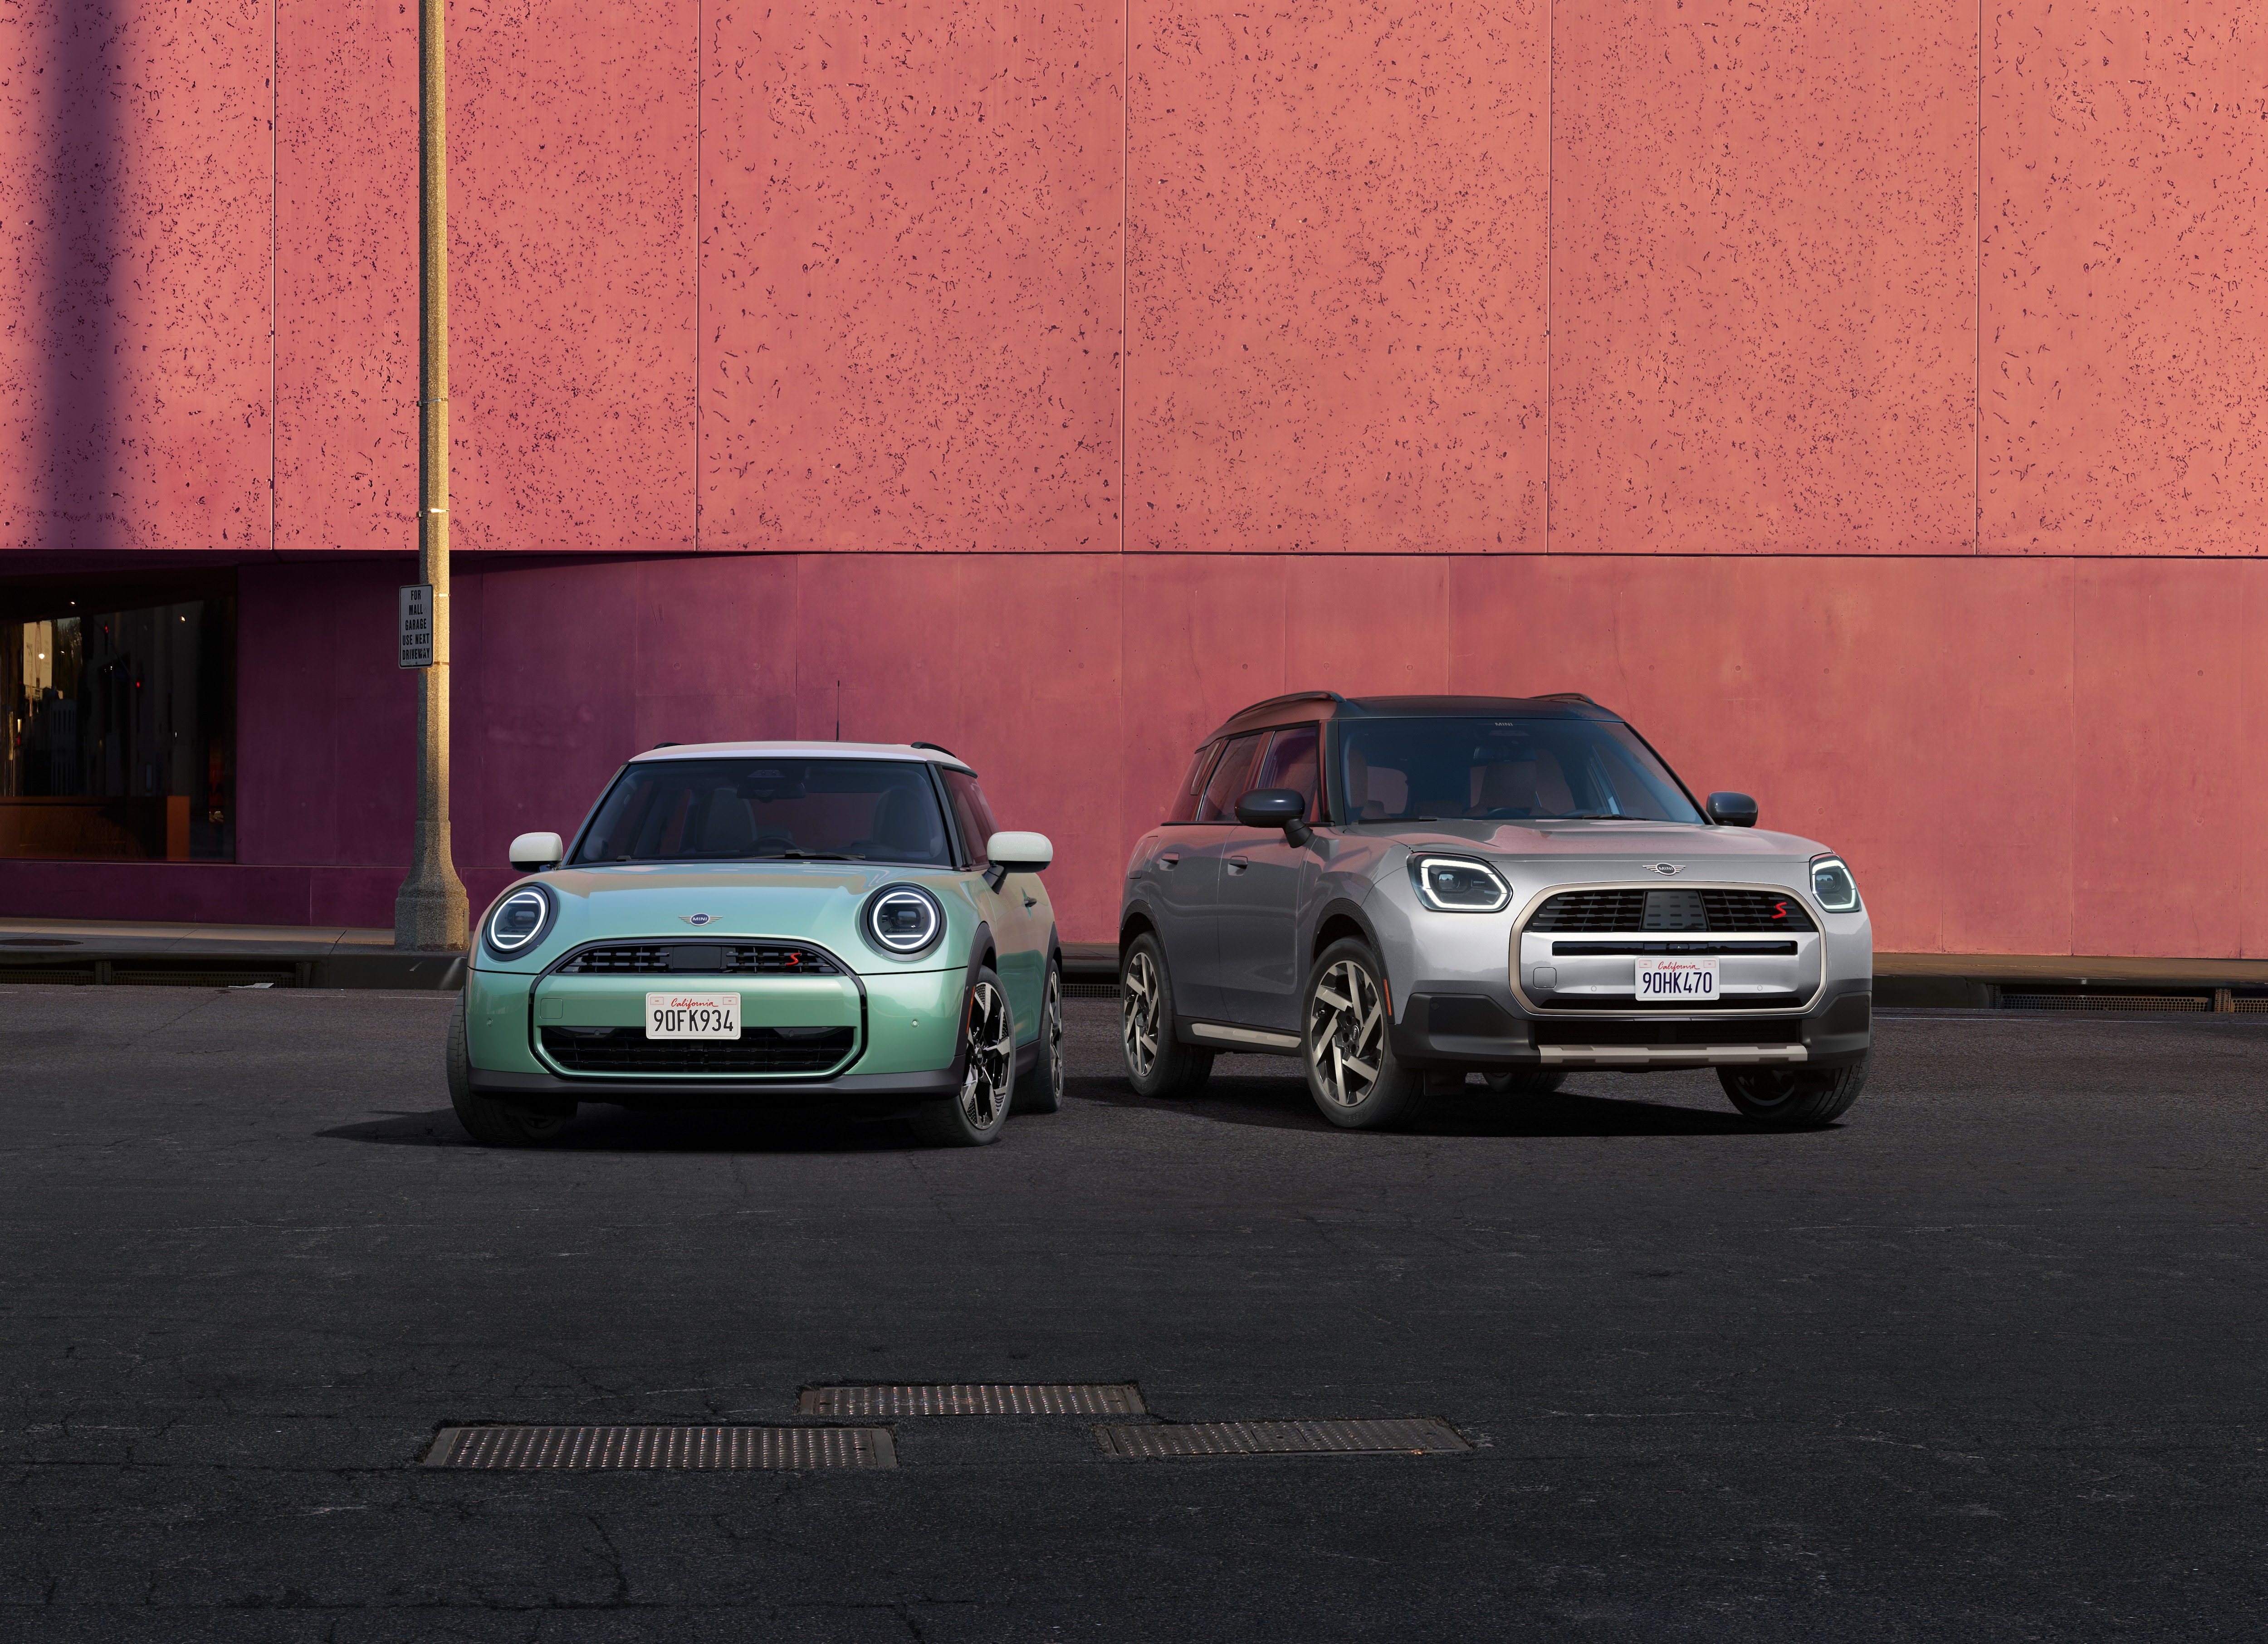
1304 705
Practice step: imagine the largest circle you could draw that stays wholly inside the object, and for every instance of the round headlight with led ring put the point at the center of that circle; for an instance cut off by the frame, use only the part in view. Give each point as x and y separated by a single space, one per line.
518 923
902 919
1459 884
1833 884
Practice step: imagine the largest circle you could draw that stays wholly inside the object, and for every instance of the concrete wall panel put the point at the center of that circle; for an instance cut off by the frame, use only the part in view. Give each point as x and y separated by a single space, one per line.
133 312
2125 172
910 291
1764 298
346 276
572 274
1336 279
2026 755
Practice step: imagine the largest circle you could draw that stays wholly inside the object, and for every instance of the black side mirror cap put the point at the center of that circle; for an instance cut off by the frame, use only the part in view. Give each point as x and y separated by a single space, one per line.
1731 811
1277 807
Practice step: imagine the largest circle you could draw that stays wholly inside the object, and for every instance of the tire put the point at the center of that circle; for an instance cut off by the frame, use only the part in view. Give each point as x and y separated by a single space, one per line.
1525 1081
1157 1063
1795 1099
1352 1073
492 1123
1043 1092
988 1082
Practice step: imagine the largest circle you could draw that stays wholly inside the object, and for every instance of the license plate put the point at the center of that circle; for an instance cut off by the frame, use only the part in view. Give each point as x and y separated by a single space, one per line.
1685 981
693 1016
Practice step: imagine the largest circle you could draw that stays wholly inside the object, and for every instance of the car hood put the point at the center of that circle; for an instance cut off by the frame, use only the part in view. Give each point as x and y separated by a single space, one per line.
808 902
1643 841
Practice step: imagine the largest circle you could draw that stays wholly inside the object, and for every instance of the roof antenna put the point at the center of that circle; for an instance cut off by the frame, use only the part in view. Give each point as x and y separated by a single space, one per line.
838 710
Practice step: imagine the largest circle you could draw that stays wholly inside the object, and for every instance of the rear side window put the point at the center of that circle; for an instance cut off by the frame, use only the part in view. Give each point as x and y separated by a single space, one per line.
972 811
1184 808
1290 762
1230 780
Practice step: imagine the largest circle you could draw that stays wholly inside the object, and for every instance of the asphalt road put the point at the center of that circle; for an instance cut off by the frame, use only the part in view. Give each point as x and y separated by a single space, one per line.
1984 1362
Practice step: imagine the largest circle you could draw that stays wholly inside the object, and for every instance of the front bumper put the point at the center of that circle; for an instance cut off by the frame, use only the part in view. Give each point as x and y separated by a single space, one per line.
905 1029
1449 1030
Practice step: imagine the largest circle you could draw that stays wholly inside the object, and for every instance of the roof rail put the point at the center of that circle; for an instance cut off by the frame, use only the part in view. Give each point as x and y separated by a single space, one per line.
936 746
1564 696
1289 696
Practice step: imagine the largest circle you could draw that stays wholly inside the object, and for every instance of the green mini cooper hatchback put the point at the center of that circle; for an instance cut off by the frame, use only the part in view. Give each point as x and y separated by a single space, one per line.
769 923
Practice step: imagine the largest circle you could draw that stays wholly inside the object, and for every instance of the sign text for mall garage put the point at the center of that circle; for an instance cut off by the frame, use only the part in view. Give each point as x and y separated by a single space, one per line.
417 626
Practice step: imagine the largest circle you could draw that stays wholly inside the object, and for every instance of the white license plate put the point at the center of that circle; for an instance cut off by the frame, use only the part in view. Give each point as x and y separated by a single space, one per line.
693 1016
1684 981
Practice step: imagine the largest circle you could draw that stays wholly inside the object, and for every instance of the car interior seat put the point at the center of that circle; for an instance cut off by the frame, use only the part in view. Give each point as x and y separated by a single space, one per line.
905 824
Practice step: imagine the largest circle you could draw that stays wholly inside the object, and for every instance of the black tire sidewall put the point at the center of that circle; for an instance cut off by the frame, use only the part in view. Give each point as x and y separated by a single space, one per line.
1040 1093
1179 1069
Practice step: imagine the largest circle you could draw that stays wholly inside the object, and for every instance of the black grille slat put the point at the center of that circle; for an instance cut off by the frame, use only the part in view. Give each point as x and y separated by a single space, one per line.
757 1051
1746 1030
1614 912
702 959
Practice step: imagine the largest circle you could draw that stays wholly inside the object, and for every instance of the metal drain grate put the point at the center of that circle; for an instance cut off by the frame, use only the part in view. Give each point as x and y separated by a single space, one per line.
1090 990
2105 1001
1407 1435
974 1398
724 1447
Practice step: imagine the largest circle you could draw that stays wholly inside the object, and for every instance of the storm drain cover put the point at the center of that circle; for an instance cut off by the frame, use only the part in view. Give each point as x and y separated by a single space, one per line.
1417 1436
661 1447
974 1398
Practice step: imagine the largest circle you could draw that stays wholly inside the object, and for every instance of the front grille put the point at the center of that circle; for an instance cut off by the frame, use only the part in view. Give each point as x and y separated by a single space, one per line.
1772 999
1584 912
703 958
1748 1031
757 1051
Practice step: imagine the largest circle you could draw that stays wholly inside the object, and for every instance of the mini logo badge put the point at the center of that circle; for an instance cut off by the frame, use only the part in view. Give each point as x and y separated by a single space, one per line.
1665 869
698 919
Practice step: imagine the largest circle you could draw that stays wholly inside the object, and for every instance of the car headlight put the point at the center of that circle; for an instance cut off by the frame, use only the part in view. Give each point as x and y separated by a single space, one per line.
1458 885
902 919
1832 884
515 925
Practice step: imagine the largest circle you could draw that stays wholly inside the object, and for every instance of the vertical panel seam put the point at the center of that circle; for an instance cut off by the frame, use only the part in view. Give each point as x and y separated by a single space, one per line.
274 240
1125 247
1550 250
700 237
1976 394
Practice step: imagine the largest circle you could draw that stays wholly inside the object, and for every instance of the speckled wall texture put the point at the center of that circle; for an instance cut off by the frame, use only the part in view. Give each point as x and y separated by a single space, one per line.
1867 395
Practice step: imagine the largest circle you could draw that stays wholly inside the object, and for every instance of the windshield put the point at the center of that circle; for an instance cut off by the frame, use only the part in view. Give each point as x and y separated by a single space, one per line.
1517 770
750 809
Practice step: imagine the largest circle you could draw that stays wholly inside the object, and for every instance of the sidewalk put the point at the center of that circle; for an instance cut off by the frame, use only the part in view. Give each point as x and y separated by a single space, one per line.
293 956
216 955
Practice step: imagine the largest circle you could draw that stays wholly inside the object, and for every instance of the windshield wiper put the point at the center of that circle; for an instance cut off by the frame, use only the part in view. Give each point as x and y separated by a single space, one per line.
803 856
1362 821
1591 816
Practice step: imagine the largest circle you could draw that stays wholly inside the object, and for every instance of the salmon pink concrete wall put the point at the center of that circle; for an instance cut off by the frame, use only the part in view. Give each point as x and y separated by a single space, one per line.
1866 397
2017 754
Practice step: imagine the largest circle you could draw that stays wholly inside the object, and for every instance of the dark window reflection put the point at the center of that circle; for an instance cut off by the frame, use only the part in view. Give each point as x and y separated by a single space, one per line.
119 739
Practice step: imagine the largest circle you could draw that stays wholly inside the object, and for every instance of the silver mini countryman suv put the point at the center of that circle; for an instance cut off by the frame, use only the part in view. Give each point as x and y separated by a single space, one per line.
1404 890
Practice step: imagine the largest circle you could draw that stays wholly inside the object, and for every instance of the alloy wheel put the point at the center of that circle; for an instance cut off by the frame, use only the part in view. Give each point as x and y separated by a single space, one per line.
1346 1034
991 1058
1140 1004
1052 1026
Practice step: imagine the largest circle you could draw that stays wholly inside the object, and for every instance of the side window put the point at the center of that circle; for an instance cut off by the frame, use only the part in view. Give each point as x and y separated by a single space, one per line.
971 810
1228 784
1184 808
1290 763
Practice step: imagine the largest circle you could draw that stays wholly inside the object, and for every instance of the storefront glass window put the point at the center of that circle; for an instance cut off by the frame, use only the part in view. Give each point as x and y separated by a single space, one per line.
120 732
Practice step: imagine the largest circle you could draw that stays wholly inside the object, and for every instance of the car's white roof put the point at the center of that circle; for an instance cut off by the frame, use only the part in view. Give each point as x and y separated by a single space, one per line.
836 750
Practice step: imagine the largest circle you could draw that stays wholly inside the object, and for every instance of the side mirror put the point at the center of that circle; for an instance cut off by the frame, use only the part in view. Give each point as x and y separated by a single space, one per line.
1277 807
1016 853
1731 811
532 852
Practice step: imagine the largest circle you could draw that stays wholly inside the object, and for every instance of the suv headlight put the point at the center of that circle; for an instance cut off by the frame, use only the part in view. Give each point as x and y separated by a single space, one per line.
902 919
1458 885
1832 884
515 925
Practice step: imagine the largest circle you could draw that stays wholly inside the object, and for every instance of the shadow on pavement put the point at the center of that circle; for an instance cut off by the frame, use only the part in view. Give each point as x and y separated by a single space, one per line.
599 1128
1284 1105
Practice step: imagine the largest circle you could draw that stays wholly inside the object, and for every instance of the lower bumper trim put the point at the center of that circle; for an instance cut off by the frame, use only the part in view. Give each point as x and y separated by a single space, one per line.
705 1092
1670 1055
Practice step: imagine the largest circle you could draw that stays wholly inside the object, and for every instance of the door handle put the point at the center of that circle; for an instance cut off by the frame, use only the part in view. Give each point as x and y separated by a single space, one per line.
1237 864
1169 860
